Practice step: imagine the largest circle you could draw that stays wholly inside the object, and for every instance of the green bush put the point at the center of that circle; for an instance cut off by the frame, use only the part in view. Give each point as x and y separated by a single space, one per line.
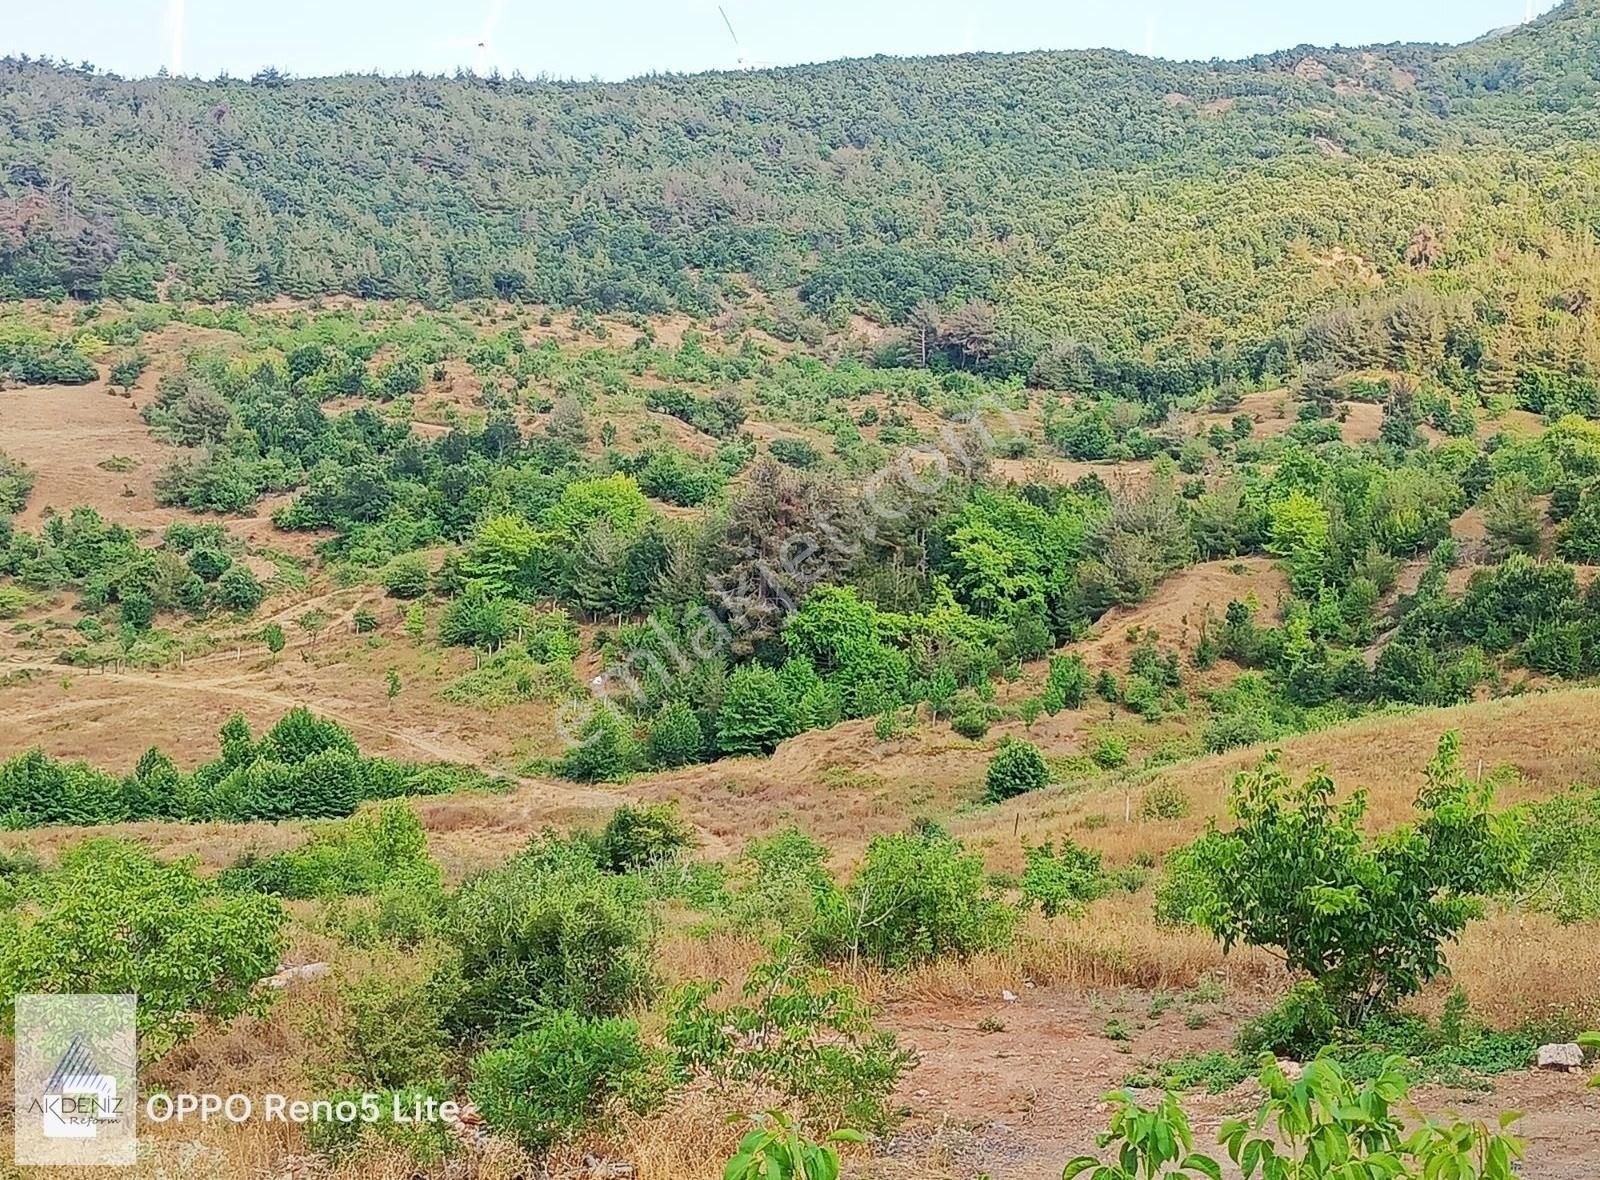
972 722
781 879
1564 855
356 857
1319 1126
606 750
795 1032
1110 753
1297 1026
1060 882
406 576
388 1033
676 737
1016 768
755 713
918 896
238 590
562 1076
112 919
1067 686
547 929
637 838
1366 918
1164 800
1184 890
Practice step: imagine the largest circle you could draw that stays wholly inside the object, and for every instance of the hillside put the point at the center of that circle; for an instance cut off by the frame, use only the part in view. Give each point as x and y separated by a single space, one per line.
910 593
1156 209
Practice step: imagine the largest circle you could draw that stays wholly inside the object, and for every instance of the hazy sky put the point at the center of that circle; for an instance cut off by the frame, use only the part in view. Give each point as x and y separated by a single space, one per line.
621 38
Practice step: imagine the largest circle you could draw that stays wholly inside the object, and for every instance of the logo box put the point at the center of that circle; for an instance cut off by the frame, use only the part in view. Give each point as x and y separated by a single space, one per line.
76 1080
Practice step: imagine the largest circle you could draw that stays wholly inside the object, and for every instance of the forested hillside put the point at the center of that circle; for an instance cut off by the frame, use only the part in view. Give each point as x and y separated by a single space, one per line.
1146 206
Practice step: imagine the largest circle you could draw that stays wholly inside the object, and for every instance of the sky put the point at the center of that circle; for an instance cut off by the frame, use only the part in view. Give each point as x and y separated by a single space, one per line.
613 39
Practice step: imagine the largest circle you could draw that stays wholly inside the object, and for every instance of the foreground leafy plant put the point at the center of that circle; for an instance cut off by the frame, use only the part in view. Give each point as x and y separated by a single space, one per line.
1318 1126
778 1150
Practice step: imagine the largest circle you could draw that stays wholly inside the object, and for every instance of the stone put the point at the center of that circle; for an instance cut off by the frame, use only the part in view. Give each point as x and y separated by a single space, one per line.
1565 1058
300 974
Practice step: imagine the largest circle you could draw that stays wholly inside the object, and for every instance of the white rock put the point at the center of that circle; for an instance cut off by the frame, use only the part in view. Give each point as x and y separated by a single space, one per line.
300 974
1009 997
1291 1069
1560 1057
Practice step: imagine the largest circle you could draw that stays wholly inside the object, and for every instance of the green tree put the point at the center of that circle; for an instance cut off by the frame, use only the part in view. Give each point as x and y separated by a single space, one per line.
755 713
272 635
113 919
1365 917
676 736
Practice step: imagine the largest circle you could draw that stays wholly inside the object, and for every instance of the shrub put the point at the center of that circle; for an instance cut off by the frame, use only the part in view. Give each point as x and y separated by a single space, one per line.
546 930
561 1076
388 1033
1060 882
778 1150
238 590
1367 919
638 838
1016 768
783 876
972 722
477 619
1316 1127
1297 1026
794 452
795 1032
300 734
356 857
1164 800
1184 889
676 737
112 919
1067 686
606 749
755 713
406 576
1110 753
919 895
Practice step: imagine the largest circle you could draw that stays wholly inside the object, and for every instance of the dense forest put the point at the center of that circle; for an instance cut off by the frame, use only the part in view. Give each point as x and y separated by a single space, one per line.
1150 208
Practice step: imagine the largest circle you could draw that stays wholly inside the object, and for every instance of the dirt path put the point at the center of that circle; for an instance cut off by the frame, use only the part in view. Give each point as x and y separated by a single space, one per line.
1015 1103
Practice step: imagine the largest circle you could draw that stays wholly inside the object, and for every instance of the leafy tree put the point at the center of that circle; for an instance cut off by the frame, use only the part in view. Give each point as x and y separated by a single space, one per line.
1366 918
755 714
676 736
113 919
